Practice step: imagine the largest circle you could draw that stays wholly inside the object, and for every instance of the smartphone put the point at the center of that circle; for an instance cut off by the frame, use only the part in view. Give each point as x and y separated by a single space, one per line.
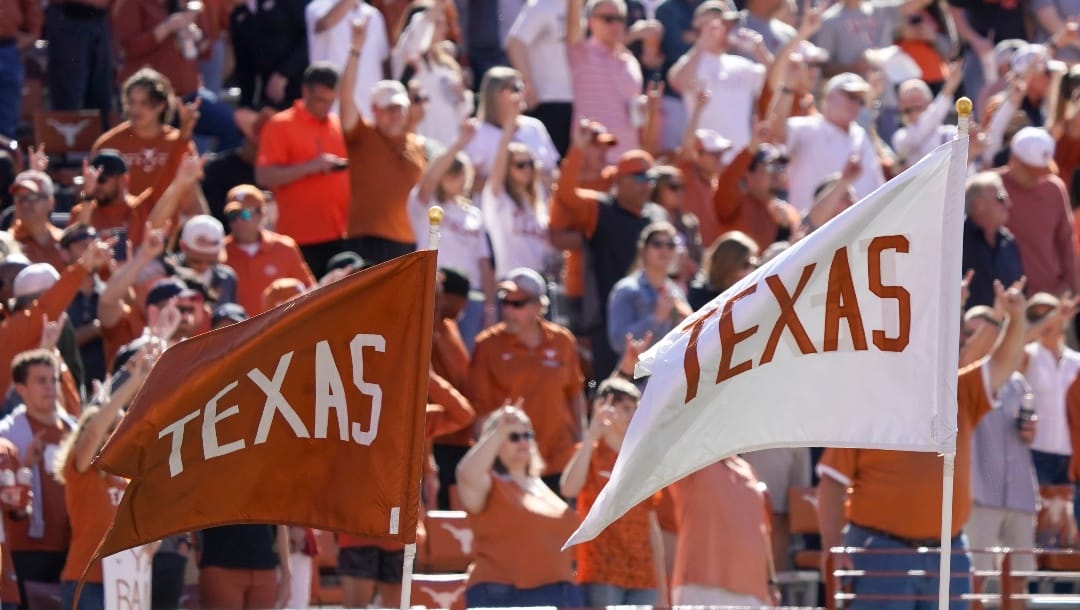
120 252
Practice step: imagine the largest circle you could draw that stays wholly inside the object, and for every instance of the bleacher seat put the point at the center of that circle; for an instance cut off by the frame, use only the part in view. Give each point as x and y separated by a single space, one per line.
449 542
439 591
803 520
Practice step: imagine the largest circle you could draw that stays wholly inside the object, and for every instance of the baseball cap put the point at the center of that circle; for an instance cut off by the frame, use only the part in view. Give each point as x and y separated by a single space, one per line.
1027 55
388 93
897 65
1039 300
167 288
34 279
346 260
34 181
726 8
523 279
811 53
711 141
110 162
244 196
847 81
76 233
1006 49
454 282
1033 146
203 234
767 154
634 162
601 135
231 312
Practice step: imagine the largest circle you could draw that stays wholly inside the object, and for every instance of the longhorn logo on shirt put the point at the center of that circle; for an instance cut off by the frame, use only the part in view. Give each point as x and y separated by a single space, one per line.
147 160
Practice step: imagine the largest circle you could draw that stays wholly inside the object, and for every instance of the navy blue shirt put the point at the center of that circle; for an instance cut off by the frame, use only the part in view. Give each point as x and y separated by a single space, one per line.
1000 261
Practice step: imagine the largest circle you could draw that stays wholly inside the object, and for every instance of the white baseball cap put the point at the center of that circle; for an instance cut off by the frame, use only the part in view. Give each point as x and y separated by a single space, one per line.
811 52
847 81
203 234
1027 55
1033 146
711 141
388 93
34 279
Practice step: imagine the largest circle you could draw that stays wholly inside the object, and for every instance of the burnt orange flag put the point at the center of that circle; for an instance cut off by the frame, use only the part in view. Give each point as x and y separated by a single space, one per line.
310 414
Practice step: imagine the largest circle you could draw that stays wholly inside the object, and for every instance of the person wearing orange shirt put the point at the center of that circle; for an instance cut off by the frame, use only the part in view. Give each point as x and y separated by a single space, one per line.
32 193
519 524
615 568
701 159
16 505
257 255
450 360
527 357
302 160
747 197
91 494
385 162
871 490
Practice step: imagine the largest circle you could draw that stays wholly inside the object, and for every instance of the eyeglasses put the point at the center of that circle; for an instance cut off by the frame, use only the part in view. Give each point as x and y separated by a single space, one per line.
244 214
915 19
525 164
855 97
28 198
675 186
516 304
611 18
661 244
517 437
420 99
643 177
186 310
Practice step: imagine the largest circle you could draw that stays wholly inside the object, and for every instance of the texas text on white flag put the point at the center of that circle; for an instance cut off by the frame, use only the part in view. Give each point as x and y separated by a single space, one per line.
847 339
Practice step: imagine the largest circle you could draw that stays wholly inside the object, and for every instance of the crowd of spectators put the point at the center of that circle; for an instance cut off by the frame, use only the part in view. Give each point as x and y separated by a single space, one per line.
605 167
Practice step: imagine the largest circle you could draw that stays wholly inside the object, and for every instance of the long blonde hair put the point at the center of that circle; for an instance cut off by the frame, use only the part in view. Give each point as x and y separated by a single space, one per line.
495 80
532 189
67 445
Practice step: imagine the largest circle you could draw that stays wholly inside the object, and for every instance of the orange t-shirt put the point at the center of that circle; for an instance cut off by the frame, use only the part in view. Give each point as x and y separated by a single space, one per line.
127 329
148 161
276 257
49 252
883 483
313 209
566 215
382 171
130 216
698 200
927 57
548 378
92 498
57 534
735 210
723 530
450 360
621 554
9 586
518 537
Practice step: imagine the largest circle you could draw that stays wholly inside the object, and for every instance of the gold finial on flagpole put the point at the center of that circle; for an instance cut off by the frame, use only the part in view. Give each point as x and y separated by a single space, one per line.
435 218
963 113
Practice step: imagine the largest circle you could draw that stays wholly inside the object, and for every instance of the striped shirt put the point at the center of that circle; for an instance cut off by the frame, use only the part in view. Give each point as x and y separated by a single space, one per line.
606 83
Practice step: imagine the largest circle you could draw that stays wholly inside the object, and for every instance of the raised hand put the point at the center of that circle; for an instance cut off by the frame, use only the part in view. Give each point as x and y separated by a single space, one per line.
50 331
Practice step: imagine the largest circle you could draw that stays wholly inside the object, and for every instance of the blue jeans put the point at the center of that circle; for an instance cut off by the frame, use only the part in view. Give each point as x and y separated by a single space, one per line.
497 595
216 120
92 598
80 60
11 83
926 587
599 595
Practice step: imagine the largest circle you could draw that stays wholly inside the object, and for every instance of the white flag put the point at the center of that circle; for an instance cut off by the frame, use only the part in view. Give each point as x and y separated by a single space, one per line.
849 338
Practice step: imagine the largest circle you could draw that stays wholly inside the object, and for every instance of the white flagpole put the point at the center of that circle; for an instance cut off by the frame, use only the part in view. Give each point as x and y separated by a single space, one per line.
963 111
435 216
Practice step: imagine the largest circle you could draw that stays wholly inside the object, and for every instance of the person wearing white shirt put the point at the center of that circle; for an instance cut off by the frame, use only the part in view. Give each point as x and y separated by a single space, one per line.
821 145
502 95
734 82
515 208
923 117
1050 368
536 47
329 29
446 182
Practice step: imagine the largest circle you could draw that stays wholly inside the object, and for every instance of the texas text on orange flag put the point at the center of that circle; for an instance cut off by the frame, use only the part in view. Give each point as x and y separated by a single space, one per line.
310 414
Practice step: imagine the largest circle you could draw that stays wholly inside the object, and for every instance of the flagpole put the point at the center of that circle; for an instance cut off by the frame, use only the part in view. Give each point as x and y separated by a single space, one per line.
963 112
435 217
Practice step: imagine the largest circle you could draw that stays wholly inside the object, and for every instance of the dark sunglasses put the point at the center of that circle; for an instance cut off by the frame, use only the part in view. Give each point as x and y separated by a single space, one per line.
661 244
244 214
675 186
643 177
420 99
611 18
516 437
185 309
516 304
915 19
525 164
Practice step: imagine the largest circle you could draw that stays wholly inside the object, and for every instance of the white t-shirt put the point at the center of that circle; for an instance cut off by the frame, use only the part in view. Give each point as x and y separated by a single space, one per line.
818 148
541 26
1049 379
519 237
735 83
333 45
463 242
449 102
530 132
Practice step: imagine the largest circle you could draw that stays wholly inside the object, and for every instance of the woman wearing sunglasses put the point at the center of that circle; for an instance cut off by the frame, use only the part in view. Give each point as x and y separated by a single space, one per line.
669 193
647 300
518 522
515 206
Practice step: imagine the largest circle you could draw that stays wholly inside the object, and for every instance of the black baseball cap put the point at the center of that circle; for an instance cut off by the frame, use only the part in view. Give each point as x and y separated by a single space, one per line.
228 312
166 289
110 162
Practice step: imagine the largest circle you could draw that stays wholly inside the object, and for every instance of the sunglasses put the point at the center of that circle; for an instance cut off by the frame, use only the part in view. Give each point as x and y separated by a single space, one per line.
517 437
609 19
661 244
516 304
675 186
855 97
915 19
244 214
420 99
643 177
185 309
525 164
